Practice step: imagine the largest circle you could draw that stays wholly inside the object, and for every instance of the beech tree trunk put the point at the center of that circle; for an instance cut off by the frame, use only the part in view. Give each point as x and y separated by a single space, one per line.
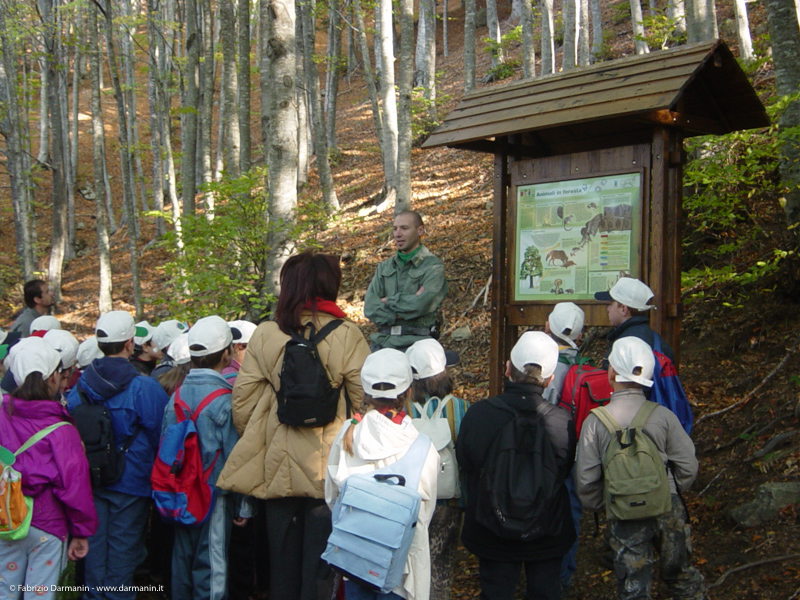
245 143
528 49
784 35
493 23
405 84
548 44
743 31
104 298
638 28
282 153
333 74
369 74
470 30
190 107
315 101
584 50
125 150
701 21
388 98
571 16
304 144
597 29
10 127
58 246
230 84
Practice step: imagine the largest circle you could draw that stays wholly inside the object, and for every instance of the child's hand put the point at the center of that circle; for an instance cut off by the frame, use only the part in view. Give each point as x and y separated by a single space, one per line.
240 521
78 548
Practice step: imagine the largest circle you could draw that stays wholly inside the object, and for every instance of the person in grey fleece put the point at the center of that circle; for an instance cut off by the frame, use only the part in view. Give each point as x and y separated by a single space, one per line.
633 542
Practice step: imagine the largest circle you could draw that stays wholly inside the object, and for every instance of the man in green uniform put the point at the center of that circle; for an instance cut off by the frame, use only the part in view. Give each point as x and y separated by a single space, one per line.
407 289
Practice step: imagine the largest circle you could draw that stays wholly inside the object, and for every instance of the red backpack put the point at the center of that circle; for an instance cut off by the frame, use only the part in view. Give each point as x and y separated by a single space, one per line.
585 387
181 491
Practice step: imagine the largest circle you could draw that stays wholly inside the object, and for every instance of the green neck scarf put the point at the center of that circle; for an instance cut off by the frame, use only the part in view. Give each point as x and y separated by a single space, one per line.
405 257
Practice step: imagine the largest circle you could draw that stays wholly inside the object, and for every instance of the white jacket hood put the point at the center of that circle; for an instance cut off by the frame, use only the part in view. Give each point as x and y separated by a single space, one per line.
378 438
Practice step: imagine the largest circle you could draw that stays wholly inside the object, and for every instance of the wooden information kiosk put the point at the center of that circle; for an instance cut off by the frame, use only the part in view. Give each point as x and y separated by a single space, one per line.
588 175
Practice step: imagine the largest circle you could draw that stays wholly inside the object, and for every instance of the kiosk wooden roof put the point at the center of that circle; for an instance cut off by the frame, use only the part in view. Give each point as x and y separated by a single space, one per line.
624 116
699 88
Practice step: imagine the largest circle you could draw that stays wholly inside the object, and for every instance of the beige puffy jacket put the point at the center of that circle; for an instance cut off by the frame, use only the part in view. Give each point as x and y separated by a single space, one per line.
273 460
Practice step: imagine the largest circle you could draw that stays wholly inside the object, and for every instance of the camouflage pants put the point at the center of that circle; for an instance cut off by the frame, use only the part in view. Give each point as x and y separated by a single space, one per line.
443 532
634 542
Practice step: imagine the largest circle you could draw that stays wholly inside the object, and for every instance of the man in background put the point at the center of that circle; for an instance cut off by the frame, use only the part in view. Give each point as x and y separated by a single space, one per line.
407 290
38 300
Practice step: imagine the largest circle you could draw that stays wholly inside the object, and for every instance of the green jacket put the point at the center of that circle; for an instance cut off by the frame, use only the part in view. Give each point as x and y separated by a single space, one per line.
399 284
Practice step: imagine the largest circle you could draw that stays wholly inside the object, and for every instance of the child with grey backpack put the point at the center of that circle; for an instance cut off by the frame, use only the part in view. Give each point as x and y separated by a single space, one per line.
642 518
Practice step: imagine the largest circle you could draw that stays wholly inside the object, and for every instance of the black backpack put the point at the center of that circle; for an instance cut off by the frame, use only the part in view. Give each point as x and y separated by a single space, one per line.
306 397
106 460
519 479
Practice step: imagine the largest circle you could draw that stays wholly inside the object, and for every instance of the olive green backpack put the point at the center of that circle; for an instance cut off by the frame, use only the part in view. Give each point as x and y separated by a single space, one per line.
634 473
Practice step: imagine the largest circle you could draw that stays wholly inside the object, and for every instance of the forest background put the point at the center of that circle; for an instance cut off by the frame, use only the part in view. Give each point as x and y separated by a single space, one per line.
166 157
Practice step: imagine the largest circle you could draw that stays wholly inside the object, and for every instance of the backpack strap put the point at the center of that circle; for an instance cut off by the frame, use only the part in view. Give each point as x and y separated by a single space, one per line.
129 442
38 436
601 412
181 408
409 467
323 333
643 414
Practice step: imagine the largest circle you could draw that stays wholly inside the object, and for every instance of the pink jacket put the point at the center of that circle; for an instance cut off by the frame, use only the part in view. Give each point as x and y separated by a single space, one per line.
55 472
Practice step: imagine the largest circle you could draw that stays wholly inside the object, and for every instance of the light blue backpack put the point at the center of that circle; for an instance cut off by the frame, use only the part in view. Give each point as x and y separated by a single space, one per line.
374 520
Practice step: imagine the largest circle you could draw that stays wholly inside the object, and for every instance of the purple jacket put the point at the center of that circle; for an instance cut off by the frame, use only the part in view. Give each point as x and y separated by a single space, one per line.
55 472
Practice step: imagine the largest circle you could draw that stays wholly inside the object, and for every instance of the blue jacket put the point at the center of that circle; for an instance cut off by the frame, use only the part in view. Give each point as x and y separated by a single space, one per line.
215 429
132 400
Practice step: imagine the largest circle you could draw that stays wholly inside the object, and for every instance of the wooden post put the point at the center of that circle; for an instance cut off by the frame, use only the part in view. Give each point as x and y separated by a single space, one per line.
500 261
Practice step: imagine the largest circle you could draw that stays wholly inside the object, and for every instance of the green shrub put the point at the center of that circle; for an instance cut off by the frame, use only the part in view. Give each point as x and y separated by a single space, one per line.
221 268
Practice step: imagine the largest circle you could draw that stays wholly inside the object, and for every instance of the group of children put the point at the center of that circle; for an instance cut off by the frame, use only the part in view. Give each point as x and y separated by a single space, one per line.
148 378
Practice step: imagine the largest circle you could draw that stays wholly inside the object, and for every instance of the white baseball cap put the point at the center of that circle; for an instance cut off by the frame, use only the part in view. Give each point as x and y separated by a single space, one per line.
167 331
179 349
629 355
66 345
566 322
535 348
44 323
88 351
629 292
427 358
242 331
388 366
209 335
115 326
36 356
144 333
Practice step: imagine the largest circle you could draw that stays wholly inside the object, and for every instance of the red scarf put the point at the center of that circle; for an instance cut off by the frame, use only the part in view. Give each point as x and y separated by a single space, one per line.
326 306
388 412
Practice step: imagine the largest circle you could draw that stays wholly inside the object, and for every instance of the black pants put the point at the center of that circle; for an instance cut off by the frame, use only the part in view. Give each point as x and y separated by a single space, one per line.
298 530
499 579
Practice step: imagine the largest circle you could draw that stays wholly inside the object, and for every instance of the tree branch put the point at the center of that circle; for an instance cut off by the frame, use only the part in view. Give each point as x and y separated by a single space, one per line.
750 395
758 563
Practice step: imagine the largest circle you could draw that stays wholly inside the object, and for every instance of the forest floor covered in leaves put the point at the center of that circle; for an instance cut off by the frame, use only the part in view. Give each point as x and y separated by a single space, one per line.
734 340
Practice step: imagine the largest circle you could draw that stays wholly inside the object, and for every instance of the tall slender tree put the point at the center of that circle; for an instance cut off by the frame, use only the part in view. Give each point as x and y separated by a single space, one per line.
190 109
315 101
403 201
784 35
53 49
282 152
548 35
104 301
243 92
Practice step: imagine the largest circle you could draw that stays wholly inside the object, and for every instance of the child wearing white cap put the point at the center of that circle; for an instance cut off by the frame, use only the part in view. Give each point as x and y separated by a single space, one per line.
432 388
199 564
380 438
135 405
628 312
165 333
55 475
502 554
630 372
145 352
242 331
